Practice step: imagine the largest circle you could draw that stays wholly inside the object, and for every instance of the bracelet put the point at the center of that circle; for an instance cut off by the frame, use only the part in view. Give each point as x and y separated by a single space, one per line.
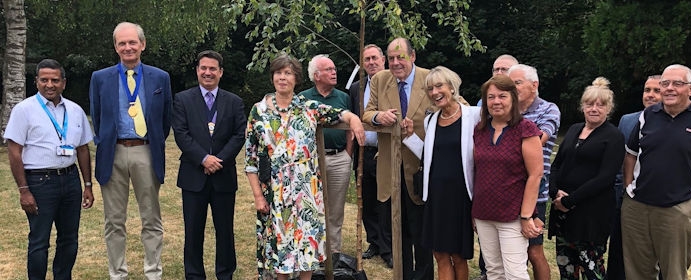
87 184
525 218
23 187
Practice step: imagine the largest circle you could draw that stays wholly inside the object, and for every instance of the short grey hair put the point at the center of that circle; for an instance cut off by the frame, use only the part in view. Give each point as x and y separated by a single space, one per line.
125 24
529 73
312 66
507 57
680 67
376 47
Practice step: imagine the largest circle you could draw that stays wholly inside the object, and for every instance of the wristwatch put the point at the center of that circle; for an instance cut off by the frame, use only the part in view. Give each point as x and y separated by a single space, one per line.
87 184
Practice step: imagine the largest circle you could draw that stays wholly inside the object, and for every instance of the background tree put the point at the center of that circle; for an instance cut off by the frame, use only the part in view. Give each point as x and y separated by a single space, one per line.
13 68
631 40
569 42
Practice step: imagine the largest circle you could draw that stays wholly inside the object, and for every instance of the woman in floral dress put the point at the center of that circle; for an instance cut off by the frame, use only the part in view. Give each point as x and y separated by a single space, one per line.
289 200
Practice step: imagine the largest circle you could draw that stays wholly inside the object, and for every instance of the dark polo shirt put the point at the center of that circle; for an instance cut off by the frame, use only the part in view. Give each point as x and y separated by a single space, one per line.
664 178
333 138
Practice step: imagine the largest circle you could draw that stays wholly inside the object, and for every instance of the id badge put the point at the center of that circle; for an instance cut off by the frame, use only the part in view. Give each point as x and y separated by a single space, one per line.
65 150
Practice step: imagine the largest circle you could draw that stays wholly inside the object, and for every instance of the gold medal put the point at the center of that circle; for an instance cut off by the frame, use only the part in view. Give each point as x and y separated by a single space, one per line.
132 111
211 128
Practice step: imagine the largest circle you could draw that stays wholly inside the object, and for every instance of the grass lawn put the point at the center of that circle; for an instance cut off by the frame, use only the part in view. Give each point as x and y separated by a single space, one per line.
92 262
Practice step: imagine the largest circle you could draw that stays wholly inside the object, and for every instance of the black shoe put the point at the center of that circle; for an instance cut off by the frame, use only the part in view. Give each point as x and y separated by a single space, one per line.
370 253
388 260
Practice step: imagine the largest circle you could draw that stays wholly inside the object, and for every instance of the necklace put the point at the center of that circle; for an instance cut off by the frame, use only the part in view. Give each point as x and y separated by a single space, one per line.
441 115
283 110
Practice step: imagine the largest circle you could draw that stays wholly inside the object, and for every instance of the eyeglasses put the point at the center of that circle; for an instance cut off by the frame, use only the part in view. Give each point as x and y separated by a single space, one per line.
500 70
330 69
676 84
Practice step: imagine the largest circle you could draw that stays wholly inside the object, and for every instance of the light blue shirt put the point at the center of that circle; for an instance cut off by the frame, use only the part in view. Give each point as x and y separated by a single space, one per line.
370 136
30 127
408 83
204 91
125 122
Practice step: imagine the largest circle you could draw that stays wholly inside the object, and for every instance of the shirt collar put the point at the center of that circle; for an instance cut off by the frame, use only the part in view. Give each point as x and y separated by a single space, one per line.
409 80
48 102
204 91
533 106
136 67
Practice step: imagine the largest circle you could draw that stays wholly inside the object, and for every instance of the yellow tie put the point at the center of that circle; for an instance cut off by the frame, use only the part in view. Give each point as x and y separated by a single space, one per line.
139 122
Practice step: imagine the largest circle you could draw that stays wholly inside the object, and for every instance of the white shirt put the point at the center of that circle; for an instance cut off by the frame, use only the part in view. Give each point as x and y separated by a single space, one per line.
30 127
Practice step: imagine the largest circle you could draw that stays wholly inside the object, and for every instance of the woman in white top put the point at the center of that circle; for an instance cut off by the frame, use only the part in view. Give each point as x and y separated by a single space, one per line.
448 174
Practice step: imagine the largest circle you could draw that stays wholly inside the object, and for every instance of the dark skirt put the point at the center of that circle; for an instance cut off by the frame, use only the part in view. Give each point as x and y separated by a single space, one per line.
447 224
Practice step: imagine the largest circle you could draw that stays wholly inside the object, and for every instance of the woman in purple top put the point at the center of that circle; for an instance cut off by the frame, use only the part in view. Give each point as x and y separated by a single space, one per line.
508 168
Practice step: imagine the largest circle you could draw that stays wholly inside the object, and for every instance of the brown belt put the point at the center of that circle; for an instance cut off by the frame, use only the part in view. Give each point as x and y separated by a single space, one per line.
132 142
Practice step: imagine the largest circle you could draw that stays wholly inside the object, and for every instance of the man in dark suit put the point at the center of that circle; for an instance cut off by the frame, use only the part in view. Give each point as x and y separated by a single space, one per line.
209 126
376 215
130 109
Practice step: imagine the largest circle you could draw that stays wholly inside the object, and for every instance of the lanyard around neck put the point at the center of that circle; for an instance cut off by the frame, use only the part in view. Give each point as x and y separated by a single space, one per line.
61 131
131 96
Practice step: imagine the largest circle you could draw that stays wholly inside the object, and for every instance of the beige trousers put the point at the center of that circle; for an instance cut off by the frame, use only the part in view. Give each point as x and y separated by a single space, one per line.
504 249
338 176
654 235
132 163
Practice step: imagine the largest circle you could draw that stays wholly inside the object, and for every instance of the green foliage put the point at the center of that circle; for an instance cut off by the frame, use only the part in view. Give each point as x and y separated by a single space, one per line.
643 42
630 40
570 42
275 26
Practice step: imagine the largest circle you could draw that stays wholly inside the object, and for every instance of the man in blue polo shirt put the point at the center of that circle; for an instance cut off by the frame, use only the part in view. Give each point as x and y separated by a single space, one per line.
657 175
338 144
46 135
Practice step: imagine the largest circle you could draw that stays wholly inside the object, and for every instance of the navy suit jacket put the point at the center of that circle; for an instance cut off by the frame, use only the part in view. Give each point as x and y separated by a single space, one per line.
190 119
627 123
103 96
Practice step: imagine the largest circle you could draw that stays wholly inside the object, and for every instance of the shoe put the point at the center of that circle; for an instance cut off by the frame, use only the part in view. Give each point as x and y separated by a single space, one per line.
370 253
481 277
388 260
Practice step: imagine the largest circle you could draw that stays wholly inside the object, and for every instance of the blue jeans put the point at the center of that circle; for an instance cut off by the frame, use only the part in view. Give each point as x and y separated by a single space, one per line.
58 198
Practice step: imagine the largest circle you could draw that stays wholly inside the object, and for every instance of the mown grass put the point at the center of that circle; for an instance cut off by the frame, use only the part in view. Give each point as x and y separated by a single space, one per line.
92 261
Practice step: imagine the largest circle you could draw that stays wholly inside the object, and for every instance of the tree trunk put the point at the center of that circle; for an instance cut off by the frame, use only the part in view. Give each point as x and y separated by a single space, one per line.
13 69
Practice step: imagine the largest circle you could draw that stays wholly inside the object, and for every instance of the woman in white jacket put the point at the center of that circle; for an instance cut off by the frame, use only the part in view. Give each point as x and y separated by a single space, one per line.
448 173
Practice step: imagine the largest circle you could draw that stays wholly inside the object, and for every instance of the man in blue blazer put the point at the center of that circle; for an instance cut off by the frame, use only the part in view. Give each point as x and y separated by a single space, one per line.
131 112
209 125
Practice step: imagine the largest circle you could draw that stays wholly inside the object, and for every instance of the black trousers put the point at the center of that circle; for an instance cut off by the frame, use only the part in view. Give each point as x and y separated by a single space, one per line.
376 215
417 260
194 209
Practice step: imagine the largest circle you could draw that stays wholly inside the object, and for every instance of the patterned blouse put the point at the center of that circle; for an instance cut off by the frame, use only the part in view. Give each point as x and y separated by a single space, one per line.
500 173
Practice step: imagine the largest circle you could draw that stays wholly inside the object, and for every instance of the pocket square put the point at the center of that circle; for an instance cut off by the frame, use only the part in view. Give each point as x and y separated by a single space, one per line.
688 129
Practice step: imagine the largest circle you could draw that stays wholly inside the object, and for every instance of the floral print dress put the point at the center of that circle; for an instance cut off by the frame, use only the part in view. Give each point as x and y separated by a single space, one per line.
291 237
